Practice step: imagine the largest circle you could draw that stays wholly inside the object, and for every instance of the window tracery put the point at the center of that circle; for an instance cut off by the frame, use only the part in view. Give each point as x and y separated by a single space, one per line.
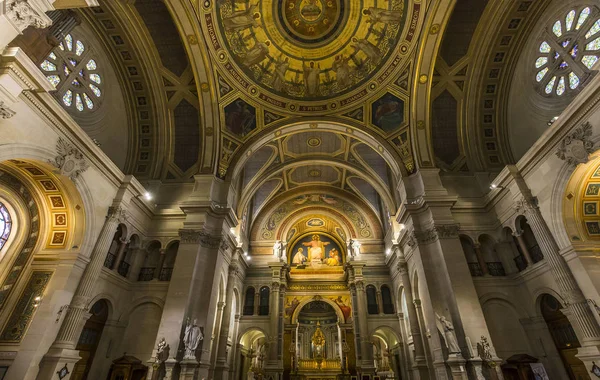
74 72
5 225
569 49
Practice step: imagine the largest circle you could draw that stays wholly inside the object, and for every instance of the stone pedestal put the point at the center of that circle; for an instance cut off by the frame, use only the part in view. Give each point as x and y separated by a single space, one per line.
588 354
169 367
55 359
188 369
457 367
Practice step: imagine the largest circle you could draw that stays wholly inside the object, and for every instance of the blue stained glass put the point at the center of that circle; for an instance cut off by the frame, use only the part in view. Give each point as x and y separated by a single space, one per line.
541 61
96 78
66 70
68 98
573 80
565 43
569 19
593 30
563 64
582 17
48 66
91 65
557 29
72 62
550 85
540 75
69 42
544 47
594 45
95 90
5 225
54 79
574 51
589 60
560 88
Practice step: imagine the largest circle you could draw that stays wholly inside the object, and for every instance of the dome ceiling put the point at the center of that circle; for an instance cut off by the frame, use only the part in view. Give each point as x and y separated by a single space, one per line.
326 53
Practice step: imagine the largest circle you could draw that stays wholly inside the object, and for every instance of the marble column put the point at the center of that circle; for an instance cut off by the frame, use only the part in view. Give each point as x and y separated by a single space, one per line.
222 367
366 364
480 259
120 253
63 351
379 302
274 363
523 246
581 316
161 262
420 363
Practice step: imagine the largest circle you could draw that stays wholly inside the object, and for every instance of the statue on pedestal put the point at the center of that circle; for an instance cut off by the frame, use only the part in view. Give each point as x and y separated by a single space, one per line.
450 335
278 249
192 337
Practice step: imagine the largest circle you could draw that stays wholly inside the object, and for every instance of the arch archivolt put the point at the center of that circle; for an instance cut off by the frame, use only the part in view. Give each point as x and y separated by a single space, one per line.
299 219
267 223
304 302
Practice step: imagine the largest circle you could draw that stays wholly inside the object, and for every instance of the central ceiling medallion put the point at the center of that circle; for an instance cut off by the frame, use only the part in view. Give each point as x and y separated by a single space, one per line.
309 50
311 21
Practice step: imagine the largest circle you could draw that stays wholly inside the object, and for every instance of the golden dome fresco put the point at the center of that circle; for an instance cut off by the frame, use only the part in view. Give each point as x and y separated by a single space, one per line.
297 51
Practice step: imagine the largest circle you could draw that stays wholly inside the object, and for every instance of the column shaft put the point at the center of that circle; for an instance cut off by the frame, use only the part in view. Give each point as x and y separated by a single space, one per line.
480 259
120 254
420 365
524 249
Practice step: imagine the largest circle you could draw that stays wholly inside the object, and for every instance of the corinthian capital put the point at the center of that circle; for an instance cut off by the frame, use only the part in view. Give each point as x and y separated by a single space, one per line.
117 213
189 236
5 112
526 204
23 13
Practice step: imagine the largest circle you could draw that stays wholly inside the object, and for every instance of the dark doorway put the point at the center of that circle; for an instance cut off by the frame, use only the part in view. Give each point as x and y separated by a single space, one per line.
89 339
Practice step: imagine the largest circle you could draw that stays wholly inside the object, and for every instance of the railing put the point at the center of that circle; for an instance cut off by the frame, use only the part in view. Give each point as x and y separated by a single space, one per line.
146 274
520 262
326 364
248 310
495 268
536 253
475 269
109 261
123 268
263 310
165 274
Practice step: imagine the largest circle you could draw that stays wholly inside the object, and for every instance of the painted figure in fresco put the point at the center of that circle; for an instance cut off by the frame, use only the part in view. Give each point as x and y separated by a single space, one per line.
311 78
241 120
242 19
371 51
257 54
291 306
346 310
316 250
389 114
299 258
342 71
281 67
383 15
334 258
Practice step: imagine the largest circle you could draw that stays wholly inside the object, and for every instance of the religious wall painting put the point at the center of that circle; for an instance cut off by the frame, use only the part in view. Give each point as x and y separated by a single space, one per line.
387 112
315 252
290 234
240 118
308 49
341 301
315 222
340 233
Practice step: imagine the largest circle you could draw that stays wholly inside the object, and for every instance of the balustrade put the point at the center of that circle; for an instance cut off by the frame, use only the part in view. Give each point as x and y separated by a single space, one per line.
146 274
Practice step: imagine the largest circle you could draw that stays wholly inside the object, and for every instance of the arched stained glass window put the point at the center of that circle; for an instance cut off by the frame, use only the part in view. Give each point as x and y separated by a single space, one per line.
249 301
372 306
5 225
75 74
263 305
569 48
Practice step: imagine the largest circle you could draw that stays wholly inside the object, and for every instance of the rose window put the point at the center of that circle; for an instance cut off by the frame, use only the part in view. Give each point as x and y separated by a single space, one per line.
5 225
75 75
568 51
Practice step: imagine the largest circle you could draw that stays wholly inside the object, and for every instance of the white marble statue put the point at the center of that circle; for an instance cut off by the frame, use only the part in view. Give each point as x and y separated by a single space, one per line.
278 249
353 248
450 335
191 339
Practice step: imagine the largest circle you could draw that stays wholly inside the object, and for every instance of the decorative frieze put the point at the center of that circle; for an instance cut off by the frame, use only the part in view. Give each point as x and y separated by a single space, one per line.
23 14
5 112
577 146
69 160
189 236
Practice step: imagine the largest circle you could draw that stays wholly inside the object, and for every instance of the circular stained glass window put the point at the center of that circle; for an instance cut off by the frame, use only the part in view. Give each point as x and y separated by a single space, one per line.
74 72
569 49
5 225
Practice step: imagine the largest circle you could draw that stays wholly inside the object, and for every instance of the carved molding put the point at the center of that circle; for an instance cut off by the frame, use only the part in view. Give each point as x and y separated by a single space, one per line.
577 146
425 237
22 14
189 236
526 204
117 214
447 231
69 160
5 112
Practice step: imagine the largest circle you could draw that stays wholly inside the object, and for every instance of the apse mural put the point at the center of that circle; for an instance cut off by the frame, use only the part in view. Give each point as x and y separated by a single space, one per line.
341 300
316 251
387 112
